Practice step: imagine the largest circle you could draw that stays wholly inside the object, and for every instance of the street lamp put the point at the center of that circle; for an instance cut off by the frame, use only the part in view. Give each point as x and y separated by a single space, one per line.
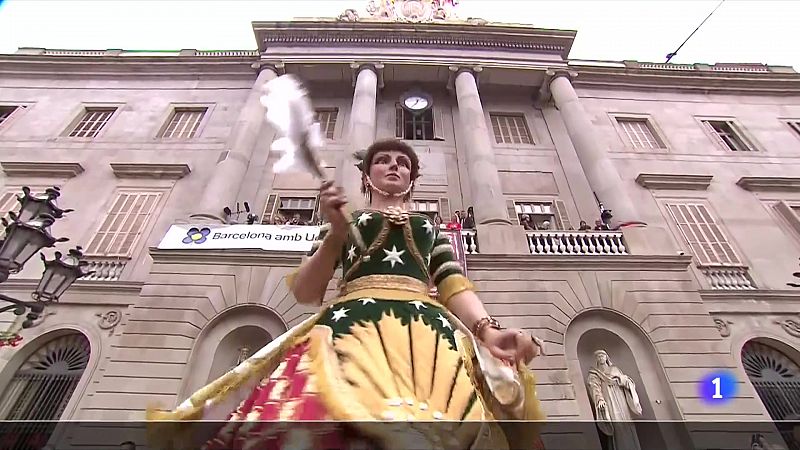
27 233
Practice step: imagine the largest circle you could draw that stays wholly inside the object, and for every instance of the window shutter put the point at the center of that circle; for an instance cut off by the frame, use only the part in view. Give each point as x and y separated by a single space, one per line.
438 124
315 214
398 121
8 202
512 212
444 209
790 215
273 201
715 136
123 224
561 215
705 238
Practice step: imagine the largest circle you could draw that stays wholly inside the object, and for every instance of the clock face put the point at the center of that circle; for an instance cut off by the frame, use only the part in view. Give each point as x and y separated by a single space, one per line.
415 102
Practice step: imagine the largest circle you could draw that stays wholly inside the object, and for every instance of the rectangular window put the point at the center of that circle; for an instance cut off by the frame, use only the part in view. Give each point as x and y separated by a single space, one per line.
92 121
795 126
639 133
727 135
428 207
327 121
7 111
704 236
183 123
510 129
423 126
297 210
124 224
541 214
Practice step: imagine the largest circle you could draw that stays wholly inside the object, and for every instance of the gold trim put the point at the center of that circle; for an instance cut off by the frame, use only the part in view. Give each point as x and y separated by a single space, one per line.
408 236
391 282
452 285
380 239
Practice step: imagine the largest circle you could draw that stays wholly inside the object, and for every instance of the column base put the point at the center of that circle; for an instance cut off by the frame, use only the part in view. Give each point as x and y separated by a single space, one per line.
500 238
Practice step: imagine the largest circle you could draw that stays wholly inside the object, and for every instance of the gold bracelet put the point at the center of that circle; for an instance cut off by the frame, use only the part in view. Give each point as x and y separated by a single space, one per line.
482 324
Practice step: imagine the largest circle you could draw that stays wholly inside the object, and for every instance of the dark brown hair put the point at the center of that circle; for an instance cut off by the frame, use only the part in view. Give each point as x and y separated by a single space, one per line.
390 145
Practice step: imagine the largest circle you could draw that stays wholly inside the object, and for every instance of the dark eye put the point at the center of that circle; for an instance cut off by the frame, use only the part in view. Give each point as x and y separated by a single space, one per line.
404 162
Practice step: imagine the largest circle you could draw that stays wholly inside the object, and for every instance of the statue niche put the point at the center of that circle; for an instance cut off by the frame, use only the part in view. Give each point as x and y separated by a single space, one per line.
615 403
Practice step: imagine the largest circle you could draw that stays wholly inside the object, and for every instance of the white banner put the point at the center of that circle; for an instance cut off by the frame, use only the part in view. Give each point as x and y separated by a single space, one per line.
287 238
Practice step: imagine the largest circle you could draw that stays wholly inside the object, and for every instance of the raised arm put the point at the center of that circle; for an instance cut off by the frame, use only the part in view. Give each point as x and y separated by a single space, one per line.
311 280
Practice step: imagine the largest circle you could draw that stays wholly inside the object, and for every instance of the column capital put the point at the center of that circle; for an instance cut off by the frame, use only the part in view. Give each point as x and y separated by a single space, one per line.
544 94
276 66
376 67
456 70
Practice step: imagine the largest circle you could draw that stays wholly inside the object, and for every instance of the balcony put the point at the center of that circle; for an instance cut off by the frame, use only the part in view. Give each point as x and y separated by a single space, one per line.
727 278
577 243
106 268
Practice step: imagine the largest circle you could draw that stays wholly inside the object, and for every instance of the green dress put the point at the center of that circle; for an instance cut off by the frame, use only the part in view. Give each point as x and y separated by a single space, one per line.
383 350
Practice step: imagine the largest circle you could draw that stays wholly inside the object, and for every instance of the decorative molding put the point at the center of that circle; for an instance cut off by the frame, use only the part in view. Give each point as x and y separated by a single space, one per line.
34 169
376 67
668 181
163 171
790 326
722 326
227 257
119 288
278 67
783 184
109 320
600 263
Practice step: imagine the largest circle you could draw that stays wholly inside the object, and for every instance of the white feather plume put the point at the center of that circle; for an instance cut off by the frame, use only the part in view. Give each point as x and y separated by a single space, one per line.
290 112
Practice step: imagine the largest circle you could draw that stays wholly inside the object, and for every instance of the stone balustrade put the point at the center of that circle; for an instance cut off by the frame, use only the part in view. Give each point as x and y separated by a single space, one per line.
729 278
105 268
576 243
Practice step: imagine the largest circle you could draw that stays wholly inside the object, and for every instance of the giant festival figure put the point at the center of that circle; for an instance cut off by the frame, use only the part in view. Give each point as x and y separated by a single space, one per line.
383 350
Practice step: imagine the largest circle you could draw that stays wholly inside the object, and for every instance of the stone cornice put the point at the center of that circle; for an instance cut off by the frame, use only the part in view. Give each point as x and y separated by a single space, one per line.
625 76
79 287
782 184
668 181
163 171
398 34
228 257
595 263
36 169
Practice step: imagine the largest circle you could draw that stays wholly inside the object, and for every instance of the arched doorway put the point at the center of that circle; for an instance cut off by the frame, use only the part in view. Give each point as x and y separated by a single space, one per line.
41 388
776 378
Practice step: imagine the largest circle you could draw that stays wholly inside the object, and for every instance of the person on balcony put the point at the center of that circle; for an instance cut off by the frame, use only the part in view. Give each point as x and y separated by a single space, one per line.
469 220
437 221
584 226
455 223
526 222
383 349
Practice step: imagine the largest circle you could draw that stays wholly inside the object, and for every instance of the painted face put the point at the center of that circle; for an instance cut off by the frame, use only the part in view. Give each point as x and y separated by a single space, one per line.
391 171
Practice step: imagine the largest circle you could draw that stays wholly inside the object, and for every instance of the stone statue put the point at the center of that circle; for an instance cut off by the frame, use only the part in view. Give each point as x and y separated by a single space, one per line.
349 15
615 402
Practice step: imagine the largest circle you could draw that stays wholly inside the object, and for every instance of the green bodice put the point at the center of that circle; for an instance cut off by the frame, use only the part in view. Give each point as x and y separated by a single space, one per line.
413 248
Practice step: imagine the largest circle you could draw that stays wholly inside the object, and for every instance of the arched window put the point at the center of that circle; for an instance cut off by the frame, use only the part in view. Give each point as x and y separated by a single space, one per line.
42 387
777 381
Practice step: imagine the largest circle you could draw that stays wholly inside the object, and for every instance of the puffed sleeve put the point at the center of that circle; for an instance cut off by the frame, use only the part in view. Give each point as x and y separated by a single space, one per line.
446 272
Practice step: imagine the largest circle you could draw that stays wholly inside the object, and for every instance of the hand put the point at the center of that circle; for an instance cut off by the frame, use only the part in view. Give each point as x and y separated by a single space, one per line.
331 201
511 345
601 408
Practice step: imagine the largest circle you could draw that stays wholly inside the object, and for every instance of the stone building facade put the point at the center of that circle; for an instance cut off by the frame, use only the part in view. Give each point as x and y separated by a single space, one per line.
707 156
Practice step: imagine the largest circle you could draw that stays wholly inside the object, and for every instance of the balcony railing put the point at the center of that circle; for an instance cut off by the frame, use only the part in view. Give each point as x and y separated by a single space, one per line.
105 268
469 238
729 278
576 243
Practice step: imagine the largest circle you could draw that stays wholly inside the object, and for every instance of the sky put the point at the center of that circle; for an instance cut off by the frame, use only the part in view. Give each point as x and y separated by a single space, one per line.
743 31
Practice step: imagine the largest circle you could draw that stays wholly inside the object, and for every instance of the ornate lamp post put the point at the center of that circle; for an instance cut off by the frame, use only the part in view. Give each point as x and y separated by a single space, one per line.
27 233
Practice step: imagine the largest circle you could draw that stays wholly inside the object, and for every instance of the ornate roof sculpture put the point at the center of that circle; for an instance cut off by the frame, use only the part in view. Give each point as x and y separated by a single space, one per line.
410 11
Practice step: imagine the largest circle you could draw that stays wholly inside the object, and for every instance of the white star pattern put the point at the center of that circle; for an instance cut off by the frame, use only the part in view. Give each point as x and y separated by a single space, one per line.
428 227
341 313
393 256
366 300
351 254
418 304
445 323
364 218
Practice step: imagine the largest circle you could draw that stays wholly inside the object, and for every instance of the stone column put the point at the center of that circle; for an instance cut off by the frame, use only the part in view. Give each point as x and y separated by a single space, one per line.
600 171
224 184
496 234
362 128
